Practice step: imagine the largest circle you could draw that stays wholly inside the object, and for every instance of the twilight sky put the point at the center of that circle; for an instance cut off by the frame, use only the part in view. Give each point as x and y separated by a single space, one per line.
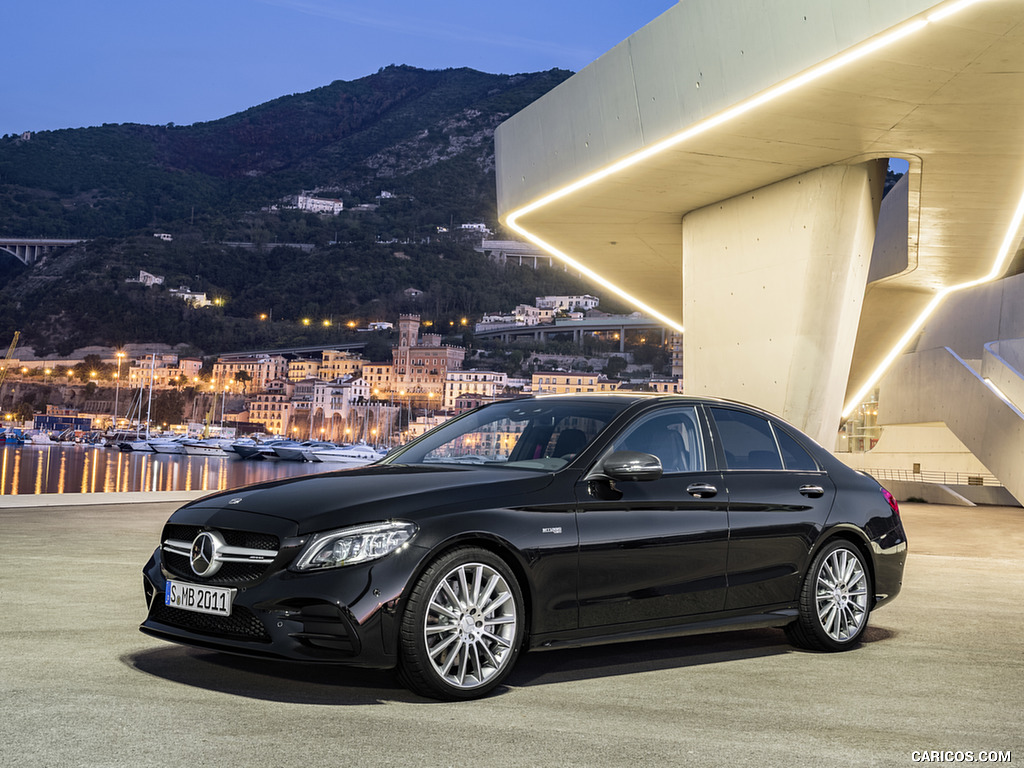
69 63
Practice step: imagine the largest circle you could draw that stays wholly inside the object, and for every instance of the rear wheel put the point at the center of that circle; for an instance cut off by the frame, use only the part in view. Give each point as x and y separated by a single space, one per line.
835 601
463 626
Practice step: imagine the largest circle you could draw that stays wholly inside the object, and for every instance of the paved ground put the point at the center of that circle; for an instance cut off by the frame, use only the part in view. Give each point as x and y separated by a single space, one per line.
942 669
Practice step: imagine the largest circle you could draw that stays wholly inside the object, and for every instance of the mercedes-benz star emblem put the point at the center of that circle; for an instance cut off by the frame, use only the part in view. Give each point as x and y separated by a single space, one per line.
204 553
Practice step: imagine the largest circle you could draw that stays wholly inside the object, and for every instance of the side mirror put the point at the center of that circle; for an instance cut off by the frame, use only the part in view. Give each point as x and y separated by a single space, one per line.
631 465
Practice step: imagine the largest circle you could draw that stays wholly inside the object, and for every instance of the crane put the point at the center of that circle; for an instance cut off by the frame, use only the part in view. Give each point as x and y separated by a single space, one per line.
7 359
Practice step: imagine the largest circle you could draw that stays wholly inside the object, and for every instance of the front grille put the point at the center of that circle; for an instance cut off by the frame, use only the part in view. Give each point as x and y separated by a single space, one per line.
229 573
249 539
240 625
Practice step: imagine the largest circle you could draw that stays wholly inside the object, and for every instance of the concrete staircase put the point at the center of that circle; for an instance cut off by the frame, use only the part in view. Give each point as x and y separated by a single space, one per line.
980 401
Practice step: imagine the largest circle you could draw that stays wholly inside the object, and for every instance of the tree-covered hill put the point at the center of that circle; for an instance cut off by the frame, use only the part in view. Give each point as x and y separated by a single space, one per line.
427 133
425 137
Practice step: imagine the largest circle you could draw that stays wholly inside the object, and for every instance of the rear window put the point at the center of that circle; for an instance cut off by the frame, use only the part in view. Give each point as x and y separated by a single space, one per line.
747 440
793 454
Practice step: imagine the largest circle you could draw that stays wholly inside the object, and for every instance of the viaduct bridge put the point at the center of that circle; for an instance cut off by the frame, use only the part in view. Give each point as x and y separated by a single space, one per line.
29 250
613 327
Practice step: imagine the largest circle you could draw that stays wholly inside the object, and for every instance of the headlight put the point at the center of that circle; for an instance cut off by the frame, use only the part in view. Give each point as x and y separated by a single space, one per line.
349 546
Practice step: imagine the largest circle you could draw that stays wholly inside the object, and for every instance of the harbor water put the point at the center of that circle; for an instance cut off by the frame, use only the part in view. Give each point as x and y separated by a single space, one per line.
73 468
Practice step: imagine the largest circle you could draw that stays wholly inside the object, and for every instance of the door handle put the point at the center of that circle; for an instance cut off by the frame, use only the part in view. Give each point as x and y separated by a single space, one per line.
812 491
701 490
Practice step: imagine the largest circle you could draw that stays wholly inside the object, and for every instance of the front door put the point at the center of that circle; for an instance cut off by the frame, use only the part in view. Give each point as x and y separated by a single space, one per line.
655 551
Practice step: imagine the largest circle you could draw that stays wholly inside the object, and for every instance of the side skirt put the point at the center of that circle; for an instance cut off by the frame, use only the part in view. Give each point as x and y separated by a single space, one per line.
630 632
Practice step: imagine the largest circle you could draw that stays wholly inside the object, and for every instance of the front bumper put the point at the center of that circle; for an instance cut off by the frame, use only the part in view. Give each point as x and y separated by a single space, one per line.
342 616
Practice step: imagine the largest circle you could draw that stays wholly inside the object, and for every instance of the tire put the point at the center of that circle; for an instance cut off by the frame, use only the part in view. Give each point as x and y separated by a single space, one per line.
462 629
835 601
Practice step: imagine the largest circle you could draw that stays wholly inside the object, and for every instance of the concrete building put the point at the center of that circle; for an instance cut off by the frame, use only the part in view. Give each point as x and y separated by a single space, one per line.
722 170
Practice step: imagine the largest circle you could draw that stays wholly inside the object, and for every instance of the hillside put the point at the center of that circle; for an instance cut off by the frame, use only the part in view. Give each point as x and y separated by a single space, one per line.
427 132
425 137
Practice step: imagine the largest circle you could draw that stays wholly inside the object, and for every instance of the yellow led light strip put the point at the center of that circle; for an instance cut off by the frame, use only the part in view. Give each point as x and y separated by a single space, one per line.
837 62
998 267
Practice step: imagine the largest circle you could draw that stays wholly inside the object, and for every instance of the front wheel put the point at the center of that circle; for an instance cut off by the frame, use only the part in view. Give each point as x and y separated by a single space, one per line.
835 600
463 626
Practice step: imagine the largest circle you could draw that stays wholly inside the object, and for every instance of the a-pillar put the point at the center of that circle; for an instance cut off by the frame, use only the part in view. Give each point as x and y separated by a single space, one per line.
773 282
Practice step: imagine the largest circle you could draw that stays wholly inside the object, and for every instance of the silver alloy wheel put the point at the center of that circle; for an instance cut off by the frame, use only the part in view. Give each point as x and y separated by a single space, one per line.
842 595
470 625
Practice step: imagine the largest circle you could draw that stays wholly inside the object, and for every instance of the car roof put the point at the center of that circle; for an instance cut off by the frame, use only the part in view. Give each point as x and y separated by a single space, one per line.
634 398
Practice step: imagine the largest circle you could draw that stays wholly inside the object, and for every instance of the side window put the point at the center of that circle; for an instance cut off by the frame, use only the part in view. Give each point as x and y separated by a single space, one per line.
673 435
793 454
747 440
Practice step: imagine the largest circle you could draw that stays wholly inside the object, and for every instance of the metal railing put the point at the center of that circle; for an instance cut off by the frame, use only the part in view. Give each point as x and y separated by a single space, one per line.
941 478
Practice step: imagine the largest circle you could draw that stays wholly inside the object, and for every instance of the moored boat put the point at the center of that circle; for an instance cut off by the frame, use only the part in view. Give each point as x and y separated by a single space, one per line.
355 455
299 451
171 445
211 446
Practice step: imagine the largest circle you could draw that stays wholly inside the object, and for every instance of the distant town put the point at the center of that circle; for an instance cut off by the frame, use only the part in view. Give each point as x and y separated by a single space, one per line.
334 393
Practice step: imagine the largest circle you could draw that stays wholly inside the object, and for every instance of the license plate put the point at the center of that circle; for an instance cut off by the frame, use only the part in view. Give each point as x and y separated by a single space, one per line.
199 598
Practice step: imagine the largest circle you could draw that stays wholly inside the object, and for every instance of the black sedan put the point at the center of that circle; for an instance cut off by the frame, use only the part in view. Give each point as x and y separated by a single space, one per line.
552 522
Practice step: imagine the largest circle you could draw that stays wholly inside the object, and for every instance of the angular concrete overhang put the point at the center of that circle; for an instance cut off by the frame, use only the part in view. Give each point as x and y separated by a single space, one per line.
712 100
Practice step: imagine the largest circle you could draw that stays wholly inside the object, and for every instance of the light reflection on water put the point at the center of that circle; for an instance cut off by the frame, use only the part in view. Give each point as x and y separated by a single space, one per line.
69 468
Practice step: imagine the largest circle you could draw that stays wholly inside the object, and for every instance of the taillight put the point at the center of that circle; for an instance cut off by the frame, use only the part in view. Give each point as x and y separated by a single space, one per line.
891 501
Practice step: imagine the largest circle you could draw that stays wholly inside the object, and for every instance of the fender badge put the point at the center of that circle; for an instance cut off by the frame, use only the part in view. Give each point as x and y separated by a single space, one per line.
551 530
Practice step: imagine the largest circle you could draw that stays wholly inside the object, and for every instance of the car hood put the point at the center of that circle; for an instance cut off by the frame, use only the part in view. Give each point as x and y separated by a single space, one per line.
366 494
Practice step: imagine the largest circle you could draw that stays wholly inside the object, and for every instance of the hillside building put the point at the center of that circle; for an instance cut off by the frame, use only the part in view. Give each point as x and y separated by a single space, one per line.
567 303
302 368
261 370
319 204
560 383
272 409
421 364
337 364
166 371
483 385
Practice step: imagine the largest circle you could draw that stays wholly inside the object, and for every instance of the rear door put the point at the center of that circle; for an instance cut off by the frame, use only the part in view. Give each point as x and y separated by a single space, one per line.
779 499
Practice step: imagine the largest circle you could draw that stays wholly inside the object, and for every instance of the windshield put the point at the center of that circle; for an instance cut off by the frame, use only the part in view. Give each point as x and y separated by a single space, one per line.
526 434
